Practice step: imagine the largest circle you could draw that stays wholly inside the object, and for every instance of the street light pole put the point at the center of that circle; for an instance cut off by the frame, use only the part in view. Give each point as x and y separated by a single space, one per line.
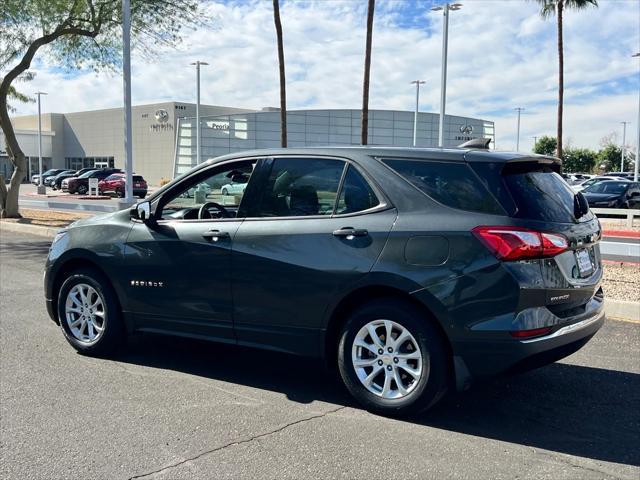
624 141
443 79
197 64
41 188
635 168
126 78
415 116
519 110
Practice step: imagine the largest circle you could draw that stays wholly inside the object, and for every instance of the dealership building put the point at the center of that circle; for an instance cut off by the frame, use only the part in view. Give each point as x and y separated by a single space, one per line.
164 134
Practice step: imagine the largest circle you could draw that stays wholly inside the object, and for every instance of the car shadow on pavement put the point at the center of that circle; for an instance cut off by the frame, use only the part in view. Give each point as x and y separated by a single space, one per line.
568 409
31 249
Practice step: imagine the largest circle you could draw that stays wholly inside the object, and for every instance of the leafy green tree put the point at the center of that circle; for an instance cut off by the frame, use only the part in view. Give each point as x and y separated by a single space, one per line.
579 160
545 145
549 8
76 34
609 159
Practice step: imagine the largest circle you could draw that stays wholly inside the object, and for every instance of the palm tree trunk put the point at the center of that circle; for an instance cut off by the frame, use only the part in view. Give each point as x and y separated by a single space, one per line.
367 72
283 87
560 77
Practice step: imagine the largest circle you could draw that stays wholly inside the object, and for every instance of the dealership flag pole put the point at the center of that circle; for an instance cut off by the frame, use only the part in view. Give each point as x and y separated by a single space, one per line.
41 188
417 83
126 76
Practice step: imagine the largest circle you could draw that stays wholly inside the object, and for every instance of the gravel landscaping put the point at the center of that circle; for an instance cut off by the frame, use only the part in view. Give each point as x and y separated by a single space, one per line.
47 218
622 282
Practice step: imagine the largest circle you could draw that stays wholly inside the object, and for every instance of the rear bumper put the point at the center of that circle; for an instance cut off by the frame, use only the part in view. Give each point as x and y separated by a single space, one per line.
479 358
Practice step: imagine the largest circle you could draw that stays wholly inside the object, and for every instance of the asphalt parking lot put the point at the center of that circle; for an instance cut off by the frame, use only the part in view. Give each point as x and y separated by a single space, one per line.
172 408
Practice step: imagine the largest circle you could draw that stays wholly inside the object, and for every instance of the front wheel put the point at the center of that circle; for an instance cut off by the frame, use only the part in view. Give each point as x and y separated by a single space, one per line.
392 359
225 191
89 314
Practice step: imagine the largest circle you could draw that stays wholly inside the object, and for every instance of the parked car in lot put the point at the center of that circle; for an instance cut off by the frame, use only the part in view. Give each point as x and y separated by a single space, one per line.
411 271
115 183
594 181
233 188
50 180
35 179
57 181
613 194
81 184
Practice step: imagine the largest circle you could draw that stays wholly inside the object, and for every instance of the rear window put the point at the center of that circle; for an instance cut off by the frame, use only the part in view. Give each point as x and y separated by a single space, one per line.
530 190
452 184
138 178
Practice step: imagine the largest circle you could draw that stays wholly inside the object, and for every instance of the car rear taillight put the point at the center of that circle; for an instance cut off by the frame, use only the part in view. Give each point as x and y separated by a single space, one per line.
514 243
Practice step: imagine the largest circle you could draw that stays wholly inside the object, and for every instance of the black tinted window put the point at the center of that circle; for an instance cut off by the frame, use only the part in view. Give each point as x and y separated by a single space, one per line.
452 184
301 187
356 194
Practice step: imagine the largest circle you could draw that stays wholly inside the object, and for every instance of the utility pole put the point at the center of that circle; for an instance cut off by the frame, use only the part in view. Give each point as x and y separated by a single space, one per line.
198 132
41 188
519 110
126 77
622 147
415 116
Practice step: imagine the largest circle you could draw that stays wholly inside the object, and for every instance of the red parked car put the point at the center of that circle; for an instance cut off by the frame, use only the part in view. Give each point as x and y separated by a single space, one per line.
116 183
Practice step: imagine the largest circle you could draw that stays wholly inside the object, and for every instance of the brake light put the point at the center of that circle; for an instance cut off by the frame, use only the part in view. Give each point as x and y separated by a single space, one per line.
514 243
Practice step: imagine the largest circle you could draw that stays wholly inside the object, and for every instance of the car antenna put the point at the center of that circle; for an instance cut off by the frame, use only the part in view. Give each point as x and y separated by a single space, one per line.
482 143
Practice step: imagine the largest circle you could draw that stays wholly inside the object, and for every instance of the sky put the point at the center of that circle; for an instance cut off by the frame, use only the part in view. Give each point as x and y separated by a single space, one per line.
502 55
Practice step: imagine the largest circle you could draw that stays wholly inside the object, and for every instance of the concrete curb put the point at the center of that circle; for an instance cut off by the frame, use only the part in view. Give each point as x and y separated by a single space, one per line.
48 232
623 310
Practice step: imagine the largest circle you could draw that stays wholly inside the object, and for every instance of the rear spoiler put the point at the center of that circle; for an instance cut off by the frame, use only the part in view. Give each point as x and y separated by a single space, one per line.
482 143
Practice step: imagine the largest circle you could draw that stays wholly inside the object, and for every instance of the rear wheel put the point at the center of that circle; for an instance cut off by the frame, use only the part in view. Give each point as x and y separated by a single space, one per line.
89 314
225 191
82 189
392 359
120 192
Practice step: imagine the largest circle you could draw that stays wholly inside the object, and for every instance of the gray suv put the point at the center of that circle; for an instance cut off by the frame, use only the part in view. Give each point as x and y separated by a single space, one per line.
411 271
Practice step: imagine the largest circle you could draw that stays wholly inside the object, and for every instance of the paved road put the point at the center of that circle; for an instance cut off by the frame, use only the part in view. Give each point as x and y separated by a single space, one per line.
172 409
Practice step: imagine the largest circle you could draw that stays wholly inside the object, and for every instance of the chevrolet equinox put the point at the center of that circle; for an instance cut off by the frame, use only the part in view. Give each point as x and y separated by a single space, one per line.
412 271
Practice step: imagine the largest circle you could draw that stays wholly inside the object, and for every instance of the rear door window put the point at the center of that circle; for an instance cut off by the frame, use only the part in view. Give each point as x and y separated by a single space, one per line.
301 187
531 190
356 194
452 184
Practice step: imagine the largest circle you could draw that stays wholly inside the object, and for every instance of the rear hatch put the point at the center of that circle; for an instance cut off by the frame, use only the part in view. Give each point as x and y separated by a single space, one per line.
537 199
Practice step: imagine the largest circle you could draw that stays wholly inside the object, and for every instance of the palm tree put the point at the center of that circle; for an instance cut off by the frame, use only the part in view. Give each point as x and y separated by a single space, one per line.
367 71
283 87
548 9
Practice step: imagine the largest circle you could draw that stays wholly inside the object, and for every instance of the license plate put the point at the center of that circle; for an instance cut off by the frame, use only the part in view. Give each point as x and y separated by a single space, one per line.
136 184
583 259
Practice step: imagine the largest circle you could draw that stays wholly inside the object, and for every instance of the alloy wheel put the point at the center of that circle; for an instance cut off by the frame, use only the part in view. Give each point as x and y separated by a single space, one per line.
85 313
387 359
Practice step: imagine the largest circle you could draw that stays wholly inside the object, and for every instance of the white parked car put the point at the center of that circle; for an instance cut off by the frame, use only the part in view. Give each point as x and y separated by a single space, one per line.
233 188
593 181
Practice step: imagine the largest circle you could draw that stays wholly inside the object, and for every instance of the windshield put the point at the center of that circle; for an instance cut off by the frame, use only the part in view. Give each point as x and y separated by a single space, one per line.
613 188
88 174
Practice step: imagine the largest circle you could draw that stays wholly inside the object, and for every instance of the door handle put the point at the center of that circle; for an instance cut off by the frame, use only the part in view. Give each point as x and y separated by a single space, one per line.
350 232
215 235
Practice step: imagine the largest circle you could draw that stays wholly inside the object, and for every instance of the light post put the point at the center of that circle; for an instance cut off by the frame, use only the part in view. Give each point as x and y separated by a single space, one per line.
415 116
535 140
624 140
41 188
519 110
443 80
197 64
126 80
635 168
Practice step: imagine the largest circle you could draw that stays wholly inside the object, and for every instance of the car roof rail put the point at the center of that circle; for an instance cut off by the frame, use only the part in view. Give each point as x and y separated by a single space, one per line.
482 143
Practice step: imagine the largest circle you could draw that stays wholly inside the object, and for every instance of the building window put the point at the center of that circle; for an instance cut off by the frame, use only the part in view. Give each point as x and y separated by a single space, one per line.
78 163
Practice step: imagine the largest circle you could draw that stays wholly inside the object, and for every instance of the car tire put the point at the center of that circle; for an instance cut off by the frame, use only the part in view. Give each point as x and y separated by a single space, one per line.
225 191
119 192
74 307
429 348
82 189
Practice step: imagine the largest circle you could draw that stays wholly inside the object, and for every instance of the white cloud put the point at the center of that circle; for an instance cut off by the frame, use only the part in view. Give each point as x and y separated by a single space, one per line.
501 55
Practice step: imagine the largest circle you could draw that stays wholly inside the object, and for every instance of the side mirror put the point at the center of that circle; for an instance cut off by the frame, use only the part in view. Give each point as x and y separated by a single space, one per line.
142 211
